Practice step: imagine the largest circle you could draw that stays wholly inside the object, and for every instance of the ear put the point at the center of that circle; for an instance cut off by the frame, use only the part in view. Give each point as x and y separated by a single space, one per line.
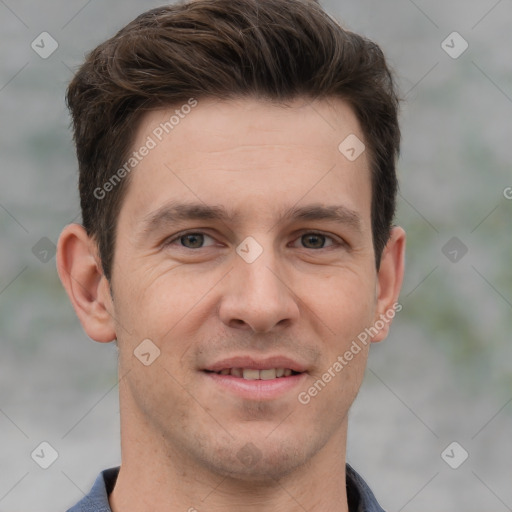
81 274
389 282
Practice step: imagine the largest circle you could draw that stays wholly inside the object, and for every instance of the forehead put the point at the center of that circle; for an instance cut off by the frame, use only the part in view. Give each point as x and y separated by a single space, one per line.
248 153
256 120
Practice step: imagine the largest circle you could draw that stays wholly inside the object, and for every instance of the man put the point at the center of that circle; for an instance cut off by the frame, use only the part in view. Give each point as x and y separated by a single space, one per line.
237 185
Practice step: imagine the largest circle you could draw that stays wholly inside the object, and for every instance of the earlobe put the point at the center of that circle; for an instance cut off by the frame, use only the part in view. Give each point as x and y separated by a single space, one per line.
389 282
80 272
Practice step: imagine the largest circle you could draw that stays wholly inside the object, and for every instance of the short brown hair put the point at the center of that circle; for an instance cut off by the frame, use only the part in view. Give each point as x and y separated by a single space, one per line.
271 49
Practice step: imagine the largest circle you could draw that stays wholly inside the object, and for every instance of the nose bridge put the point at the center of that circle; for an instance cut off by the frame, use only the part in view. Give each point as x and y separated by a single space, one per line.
259 278
257 267
256 296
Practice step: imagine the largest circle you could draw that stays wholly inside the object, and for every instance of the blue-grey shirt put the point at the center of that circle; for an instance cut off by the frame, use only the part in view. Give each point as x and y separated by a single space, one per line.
360 497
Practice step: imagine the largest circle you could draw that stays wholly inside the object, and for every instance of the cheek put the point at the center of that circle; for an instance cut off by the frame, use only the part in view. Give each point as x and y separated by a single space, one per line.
344 302
154 302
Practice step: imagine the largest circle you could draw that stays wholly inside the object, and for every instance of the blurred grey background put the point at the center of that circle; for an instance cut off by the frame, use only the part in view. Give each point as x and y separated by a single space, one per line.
444 373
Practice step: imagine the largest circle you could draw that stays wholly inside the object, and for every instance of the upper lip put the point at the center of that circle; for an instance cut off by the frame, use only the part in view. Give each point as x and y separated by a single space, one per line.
257 363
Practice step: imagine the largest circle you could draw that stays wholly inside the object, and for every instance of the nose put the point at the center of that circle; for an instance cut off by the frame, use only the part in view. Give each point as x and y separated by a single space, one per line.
258 296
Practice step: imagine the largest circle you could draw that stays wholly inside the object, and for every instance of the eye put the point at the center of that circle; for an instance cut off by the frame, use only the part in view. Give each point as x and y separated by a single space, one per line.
198 240
191 240
314 240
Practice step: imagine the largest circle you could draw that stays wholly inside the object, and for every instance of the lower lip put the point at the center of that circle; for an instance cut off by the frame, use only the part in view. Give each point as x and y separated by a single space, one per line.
257 389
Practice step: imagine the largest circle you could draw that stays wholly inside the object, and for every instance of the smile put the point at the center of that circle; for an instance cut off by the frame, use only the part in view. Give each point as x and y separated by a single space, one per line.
255 374
257 385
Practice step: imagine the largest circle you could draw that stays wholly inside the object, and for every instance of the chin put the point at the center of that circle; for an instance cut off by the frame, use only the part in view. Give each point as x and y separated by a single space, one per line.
260 465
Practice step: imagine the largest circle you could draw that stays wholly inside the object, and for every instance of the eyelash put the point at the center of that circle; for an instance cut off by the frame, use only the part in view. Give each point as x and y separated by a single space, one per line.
335 242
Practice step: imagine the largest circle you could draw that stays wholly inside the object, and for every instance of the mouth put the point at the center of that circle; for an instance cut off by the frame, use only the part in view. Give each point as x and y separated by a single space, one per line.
253 379
256 374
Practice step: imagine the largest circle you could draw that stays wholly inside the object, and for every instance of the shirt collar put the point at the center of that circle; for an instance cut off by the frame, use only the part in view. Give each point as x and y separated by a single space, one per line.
97 499
359 495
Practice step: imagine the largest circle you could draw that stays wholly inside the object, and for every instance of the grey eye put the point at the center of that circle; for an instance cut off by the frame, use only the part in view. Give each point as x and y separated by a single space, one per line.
314 240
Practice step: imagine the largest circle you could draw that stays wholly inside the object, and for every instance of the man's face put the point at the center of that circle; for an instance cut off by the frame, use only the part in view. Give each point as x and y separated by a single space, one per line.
206 298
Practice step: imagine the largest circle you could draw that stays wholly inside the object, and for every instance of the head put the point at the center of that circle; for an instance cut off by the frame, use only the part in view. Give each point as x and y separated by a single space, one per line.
225 119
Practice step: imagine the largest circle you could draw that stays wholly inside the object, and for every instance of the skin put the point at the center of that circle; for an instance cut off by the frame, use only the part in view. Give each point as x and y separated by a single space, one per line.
181 436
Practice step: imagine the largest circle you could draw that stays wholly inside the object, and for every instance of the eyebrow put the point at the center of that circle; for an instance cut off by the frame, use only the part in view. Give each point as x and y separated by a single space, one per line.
174 212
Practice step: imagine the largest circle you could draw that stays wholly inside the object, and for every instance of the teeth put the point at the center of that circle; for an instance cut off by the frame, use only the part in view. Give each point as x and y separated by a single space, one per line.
252 374
249 374
236 372
267 374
